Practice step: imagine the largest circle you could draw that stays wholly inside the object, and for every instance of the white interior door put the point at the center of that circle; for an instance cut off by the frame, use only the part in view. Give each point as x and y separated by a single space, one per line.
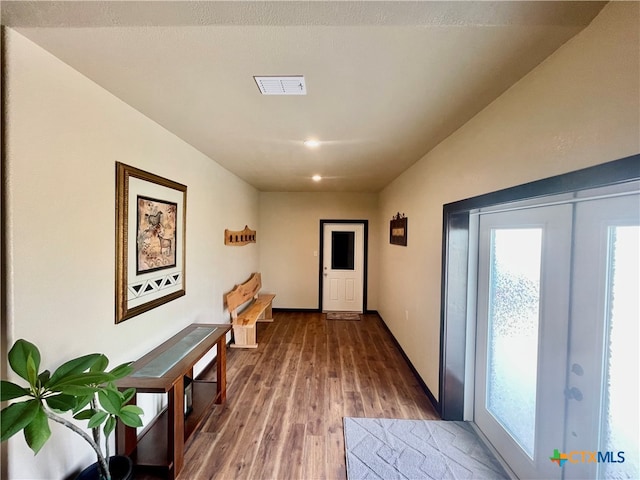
343 267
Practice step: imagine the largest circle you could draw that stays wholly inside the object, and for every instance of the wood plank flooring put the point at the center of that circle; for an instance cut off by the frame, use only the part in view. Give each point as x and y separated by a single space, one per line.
287 398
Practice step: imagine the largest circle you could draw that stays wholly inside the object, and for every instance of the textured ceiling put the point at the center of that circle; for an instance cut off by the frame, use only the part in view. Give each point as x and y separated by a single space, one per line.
386 80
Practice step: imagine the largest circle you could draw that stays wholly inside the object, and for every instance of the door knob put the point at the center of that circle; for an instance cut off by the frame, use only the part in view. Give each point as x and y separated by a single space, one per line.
574 393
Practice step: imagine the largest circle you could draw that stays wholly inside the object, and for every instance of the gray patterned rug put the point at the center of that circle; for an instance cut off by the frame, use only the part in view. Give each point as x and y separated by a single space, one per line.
416 449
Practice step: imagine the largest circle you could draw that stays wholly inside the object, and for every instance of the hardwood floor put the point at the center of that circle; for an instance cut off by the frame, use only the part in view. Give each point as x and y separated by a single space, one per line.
287 398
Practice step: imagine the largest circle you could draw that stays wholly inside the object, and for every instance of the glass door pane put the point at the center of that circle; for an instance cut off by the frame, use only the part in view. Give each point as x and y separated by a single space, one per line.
342 250
513 331
619 430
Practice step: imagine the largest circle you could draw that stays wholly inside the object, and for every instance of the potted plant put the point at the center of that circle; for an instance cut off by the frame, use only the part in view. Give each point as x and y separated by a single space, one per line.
82 386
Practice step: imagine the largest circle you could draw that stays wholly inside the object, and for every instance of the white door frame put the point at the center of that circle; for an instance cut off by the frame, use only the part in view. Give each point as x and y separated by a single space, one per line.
365 224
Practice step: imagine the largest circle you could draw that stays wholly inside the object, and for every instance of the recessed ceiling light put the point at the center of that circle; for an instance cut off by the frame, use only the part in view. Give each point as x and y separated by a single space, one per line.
316 178
311 143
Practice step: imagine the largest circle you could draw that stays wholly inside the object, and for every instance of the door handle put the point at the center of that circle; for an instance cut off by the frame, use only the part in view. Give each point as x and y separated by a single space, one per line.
577 369
573 393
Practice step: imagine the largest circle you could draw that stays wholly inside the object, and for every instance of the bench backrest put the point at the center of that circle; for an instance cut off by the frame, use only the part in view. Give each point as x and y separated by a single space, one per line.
243 293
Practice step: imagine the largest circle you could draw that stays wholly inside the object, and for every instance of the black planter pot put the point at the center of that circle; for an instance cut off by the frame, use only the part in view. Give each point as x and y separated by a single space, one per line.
121 468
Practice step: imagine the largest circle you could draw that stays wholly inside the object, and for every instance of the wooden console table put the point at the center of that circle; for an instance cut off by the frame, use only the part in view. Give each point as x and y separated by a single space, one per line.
163 370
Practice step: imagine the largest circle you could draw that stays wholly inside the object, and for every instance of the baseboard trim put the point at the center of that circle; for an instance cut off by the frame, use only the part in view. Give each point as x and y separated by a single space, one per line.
423 385
316 310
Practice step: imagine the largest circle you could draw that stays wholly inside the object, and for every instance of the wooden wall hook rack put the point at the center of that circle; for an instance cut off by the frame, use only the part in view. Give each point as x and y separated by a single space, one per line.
239 238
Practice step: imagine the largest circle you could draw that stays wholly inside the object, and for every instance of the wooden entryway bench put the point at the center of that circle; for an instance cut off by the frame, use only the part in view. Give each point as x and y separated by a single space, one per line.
259 310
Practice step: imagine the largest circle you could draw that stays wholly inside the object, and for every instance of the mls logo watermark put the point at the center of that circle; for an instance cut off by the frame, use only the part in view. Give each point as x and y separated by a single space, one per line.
582 456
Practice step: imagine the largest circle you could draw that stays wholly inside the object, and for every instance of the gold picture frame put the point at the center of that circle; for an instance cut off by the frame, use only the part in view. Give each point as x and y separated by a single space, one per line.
150 241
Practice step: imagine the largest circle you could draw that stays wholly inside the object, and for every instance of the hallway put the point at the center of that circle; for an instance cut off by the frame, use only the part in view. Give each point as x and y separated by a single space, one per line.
286 399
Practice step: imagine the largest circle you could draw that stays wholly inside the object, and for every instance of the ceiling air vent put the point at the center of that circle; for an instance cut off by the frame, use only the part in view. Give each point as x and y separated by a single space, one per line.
292 85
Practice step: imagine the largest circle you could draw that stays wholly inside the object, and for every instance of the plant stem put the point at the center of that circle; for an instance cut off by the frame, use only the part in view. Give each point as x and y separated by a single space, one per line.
106 445
101 460
96 430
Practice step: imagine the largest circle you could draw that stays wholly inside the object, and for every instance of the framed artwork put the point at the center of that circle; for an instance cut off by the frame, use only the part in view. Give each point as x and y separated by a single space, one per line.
150 241
398 230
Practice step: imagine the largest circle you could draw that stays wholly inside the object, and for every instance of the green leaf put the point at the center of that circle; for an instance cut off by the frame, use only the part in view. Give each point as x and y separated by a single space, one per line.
62 402
32 371
133 409
101 364
9 391
80 379
121 371
18 356
97 419
77 390
129 418
75 367
37 432
44 377
16 417
83 401
127 395
109 426
85 414
111 400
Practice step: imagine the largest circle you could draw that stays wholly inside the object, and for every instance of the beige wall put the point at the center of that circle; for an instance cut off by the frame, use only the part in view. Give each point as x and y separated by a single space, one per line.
289 235
64 136
579 108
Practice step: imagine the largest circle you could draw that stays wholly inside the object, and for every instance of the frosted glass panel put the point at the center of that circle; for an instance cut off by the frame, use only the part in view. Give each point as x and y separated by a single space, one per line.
620 408
514 300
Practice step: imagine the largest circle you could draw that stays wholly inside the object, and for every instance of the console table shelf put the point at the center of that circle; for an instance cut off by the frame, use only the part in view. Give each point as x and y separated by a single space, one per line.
161 444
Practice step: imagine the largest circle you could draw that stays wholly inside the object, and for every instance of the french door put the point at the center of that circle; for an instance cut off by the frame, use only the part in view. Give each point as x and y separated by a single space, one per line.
556 354
603 398
523 298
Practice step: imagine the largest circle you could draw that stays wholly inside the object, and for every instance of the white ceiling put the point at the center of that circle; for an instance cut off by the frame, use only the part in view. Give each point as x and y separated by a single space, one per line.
386 80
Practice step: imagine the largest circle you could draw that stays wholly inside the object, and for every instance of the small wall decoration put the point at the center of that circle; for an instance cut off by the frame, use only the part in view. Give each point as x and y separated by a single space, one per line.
239 238
150 241
398 230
